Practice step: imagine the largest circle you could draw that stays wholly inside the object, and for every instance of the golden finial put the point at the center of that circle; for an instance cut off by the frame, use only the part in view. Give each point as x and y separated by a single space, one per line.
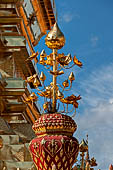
87 166
87 153
71 77
65 83
83 147
42 77
43 53
93 162
55 38
60 95
55 62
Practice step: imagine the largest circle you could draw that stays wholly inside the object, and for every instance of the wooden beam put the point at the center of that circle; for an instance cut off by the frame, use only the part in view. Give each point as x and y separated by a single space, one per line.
11 93
12 117
14 41
32 107
29 113
8 1
18 108
5 50
8 21
10 114
49 11
26 36
39 16
11 34
23 15
7 16
27 117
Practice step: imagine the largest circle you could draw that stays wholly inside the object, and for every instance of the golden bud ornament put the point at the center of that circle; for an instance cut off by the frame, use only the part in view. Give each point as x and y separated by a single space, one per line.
83 147
60 95
43 53
71 77
36 82
42 57
42 76
42 60
65 83
30 79
55 38
45 106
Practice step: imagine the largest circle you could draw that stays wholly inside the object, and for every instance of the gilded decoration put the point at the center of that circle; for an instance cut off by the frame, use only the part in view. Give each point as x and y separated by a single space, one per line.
56 146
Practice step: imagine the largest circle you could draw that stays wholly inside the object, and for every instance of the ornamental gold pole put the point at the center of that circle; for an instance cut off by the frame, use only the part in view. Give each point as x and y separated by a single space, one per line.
82 162
54 81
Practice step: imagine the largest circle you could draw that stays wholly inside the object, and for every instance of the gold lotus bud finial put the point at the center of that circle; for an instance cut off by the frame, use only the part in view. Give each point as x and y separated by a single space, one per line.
30 79
71 77
55 38
83 147
60 95
69 56
45 106
42 77
36 82
42 56
43 53
93 162
65 83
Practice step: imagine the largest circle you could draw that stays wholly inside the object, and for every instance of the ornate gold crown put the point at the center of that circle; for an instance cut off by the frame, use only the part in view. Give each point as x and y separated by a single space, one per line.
55 38
54 124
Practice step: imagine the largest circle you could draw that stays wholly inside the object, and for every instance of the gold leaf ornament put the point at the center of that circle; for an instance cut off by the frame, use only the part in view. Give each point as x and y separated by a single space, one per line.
65 83
71 77
77 62
42 77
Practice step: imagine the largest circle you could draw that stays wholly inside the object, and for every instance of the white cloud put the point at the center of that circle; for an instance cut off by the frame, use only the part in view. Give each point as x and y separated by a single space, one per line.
97 119
94 40
68 17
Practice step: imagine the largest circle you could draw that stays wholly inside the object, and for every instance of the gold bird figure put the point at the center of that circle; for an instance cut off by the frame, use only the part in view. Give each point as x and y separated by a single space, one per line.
46 94
64 60
30 79
41 94
33 56
65 83
32 97
65 101
49 60
36 82
93 162
77 62
71 100
73 97
45 106
57 72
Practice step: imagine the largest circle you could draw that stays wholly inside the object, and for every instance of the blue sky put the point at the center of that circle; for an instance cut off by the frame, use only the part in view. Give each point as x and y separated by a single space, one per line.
88 29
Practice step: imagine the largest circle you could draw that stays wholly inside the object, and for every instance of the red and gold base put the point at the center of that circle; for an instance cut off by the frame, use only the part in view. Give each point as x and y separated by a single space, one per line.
54 151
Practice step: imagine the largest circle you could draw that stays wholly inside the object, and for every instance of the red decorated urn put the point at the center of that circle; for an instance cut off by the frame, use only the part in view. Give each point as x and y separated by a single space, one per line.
54 147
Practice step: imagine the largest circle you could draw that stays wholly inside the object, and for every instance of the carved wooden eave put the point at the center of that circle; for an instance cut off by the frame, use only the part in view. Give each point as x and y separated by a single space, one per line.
14 27
12 101
13 45
8 1
42 13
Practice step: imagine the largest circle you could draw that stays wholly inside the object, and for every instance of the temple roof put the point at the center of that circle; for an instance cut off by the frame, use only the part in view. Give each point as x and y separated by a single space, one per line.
8 1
